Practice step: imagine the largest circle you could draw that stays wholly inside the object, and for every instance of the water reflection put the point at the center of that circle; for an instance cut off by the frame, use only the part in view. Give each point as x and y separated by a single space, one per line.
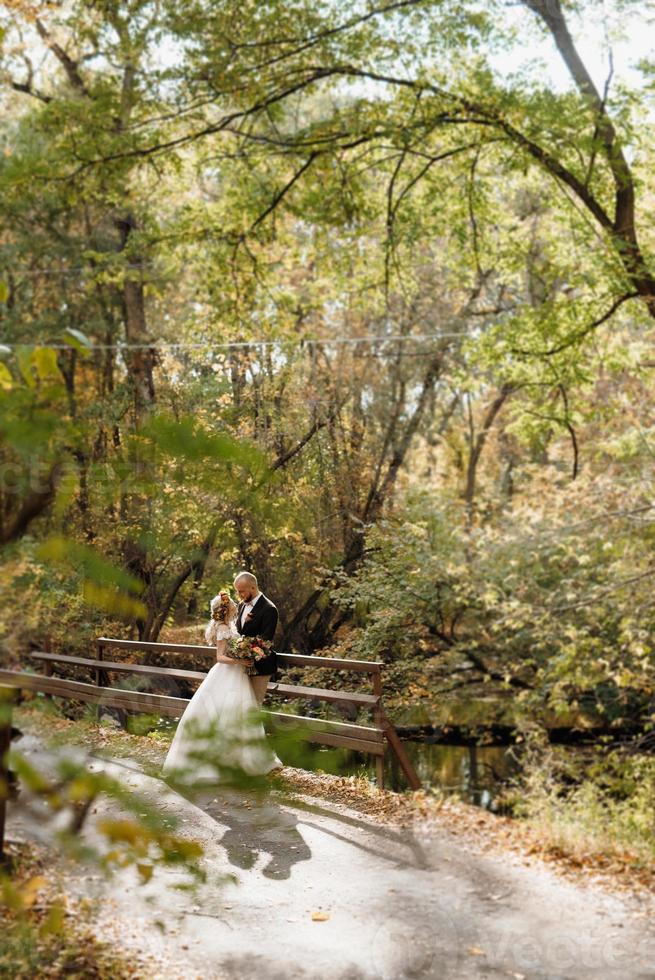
475 774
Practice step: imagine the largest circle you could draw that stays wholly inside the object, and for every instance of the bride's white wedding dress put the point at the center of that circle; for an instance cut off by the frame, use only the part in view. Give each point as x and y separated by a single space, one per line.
216 734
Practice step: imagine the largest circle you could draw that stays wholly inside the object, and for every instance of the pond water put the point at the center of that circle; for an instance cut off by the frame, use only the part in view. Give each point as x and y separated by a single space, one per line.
476 775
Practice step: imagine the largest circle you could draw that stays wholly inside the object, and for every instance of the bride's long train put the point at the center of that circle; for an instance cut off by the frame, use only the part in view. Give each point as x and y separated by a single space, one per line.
219 734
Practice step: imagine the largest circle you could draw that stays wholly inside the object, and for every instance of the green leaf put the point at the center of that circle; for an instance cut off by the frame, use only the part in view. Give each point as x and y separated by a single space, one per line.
113 601
45 359
6 380
78 340
186 439
92 565
4 291
24 358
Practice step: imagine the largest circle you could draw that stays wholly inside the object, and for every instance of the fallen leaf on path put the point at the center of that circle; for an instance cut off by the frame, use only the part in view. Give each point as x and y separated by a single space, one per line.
476 951
30 889
320 916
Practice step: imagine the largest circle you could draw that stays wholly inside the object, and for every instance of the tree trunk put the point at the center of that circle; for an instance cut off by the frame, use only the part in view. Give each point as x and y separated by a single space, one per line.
153 625
309 635
140 356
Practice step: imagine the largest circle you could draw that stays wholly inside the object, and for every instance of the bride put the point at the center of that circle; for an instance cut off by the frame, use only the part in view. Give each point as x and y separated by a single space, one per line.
220 733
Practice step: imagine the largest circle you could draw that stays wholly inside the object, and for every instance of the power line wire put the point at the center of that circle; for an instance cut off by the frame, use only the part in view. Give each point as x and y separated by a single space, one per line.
74 270
236 344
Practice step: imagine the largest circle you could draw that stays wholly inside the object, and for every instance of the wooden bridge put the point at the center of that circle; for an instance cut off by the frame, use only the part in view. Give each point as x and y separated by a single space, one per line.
374 739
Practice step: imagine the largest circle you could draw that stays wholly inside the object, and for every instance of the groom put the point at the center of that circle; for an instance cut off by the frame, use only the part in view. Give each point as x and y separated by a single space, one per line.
256 616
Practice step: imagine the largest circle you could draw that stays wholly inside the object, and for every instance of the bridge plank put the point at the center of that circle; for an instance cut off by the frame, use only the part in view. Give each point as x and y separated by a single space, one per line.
361 737
291 659
282 690
338 663
321 737
194 675
322 725
114 697
112 642
322 694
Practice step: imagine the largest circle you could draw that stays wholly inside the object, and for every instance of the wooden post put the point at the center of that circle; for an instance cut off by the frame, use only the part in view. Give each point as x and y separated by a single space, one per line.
395 772
99 656
99 678
399 749
47 670
386 725
379 722
7 697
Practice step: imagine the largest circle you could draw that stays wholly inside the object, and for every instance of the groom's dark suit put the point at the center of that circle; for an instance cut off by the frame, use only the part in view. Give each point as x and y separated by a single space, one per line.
261 622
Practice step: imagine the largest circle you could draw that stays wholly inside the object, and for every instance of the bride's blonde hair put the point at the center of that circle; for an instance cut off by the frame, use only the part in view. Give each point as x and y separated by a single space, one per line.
223 613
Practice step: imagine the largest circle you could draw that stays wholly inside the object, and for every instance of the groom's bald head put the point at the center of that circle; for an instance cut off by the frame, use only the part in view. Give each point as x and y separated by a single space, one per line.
246 585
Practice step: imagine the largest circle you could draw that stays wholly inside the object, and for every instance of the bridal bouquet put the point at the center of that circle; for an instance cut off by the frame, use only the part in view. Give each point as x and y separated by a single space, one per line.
249 648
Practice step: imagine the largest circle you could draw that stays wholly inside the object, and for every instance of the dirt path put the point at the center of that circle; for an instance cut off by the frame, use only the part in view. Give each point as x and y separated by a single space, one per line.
400 904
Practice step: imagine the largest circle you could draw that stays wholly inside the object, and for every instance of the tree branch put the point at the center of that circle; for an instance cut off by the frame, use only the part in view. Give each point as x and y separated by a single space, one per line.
28 89
284 190
319 424
579 334
67 63
31 507
623 225
550 12
477 445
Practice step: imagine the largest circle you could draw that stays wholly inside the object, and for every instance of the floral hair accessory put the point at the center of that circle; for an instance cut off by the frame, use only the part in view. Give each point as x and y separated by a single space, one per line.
222 608
223 612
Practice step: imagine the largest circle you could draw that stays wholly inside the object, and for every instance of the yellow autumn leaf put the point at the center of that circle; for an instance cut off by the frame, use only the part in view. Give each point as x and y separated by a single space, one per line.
6 380
119 830
145 870
112 600
45 360
54 921
31 889
320 916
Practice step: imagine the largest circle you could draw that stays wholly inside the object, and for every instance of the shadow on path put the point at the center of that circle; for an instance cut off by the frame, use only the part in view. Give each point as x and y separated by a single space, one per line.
259 824
255 825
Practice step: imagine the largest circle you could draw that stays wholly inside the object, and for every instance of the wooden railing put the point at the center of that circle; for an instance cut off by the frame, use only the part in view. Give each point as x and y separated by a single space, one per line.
6 702
372 739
